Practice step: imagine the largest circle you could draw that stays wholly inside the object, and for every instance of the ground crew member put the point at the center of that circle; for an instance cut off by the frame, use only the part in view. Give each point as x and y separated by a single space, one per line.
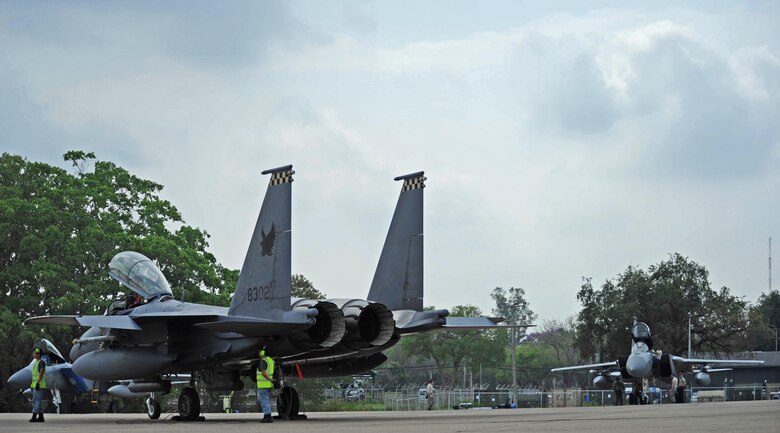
673 389
430 394
681 389
38 385
619 387
265 382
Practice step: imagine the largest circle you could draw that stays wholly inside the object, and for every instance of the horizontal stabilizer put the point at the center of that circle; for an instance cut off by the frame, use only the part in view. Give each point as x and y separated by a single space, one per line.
473 322
114 322
411 321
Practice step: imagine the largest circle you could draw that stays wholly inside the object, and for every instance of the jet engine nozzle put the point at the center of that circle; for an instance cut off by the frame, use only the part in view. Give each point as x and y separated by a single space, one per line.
328 330
701 378
369 324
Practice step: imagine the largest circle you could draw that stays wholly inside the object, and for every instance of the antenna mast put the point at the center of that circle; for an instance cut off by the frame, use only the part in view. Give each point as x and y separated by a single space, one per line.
770 264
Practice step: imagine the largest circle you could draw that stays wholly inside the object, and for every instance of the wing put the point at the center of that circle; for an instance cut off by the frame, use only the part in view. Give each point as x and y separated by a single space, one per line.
287 323
115 322
253 327
613 364
680 361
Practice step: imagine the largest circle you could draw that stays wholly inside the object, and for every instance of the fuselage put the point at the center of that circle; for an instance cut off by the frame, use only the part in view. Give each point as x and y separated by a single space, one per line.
640 362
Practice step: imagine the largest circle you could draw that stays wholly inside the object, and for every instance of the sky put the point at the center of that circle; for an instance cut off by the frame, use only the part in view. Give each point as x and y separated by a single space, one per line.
560 139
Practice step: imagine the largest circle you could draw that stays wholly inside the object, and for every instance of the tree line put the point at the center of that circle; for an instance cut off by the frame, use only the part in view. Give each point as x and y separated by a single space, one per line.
59 228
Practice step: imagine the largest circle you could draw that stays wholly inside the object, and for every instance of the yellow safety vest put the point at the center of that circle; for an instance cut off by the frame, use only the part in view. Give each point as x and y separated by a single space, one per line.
262 382
36 378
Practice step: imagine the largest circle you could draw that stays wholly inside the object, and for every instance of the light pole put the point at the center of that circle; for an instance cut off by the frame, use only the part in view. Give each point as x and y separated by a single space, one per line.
514 349
689 335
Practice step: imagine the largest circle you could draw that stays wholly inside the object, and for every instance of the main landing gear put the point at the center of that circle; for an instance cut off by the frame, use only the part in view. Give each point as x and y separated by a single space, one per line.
189 406
288 404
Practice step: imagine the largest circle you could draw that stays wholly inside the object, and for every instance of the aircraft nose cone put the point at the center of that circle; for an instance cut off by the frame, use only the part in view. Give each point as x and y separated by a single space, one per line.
638 365
21 379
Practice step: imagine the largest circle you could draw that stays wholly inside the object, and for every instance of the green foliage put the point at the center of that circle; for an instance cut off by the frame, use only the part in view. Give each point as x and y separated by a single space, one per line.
764 318
769 306
303 288
513 307
59 231
662 296
454 349
338 405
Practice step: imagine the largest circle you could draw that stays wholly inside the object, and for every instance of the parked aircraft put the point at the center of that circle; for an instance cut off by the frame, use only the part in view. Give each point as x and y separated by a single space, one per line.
645 363
146 343
60 378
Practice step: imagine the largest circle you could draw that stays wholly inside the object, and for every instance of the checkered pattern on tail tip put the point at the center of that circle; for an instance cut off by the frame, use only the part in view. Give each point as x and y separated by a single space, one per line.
414 183
281 177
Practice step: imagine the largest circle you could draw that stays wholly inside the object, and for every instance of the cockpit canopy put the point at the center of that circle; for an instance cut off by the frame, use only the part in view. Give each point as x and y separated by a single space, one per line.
140 274
640 331
50 350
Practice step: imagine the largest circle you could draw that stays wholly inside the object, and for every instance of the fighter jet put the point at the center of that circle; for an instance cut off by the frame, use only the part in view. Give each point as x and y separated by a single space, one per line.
60 378
644 362
145 343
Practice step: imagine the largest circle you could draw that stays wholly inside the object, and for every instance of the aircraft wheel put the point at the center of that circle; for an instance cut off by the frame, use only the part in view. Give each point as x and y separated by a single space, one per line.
287 402
189 404
152 408
228 410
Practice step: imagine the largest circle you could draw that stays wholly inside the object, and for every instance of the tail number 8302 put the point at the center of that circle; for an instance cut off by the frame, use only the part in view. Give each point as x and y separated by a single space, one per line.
258 293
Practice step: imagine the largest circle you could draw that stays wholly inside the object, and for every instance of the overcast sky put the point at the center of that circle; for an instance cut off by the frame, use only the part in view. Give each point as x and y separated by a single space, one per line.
559 140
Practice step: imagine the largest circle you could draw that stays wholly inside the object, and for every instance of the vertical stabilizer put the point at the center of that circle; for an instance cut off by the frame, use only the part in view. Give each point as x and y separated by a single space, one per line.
398 281
264 282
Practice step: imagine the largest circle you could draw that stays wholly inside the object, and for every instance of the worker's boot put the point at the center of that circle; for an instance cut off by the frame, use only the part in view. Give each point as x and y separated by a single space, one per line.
34 417
40 417
266 419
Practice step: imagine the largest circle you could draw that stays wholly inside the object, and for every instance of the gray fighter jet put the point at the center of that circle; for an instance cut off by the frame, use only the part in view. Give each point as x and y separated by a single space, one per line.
145 344
645 363
60 378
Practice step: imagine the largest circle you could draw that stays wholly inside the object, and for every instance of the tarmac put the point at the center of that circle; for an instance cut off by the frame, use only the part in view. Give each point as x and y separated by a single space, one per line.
747 416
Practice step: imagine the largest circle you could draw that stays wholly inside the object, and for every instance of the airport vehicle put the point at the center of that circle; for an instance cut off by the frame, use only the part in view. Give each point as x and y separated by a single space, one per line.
644 363
145 343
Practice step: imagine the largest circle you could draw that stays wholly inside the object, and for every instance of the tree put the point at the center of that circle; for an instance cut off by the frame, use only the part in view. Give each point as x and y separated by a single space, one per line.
662 296
514 308
454 349
559 336
303 288
59 231
769 306
764 320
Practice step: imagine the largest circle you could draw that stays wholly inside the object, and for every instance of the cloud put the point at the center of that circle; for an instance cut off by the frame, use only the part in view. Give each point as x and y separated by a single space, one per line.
557 145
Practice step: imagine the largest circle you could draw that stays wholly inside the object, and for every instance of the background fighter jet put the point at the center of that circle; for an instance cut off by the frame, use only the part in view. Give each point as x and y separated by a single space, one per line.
644 362
60 378
144 344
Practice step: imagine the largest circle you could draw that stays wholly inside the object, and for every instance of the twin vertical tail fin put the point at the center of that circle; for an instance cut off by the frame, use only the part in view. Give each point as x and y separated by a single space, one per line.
265 283
398 280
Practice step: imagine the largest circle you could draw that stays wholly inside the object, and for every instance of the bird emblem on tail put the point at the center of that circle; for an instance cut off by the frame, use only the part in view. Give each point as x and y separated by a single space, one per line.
269 240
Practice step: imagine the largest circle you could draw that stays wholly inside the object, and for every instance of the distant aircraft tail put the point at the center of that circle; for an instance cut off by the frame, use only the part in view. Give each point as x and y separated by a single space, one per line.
398 280
265 282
